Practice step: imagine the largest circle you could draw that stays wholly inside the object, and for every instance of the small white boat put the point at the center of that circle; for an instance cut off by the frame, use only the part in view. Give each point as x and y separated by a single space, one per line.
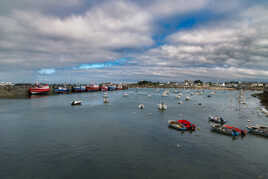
178 96
162 106
125 94
180 102
187 98
141 106
212 93
176 91
76 103
165 93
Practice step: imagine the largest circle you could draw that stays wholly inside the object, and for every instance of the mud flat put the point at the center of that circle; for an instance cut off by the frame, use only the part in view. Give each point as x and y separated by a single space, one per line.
15 91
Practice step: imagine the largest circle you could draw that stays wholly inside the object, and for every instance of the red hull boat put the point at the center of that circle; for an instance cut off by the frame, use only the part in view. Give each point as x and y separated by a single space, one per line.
92 88
40 89
104 88
188 125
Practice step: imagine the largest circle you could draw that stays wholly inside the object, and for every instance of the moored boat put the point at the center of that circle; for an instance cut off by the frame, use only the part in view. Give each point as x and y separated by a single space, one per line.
216 119
141 106
228 130
258 130
111 88
39 89
187 124
119 87
92 88
162 106
176 125
104 88
187 98
60 90
76 103
79 89
165 93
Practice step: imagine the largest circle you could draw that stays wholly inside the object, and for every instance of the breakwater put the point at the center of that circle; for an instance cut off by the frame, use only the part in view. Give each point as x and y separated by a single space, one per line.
14 91
22 90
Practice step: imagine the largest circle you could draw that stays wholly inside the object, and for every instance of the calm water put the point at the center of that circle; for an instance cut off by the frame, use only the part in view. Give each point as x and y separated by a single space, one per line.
46 138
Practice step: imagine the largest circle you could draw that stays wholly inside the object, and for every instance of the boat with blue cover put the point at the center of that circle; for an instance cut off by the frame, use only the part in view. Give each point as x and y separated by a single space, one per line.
79 89
61 90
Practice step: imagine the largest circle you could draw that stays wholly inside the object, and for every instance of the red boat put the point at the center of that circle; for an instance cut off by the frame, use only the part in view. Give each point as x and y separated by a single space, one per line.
187 124
39 89
92 88
104 88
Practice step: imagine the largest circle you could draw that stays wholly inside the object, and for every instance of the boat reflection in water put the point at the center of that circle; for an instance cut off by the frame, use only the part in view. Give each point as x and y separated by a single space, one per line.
38 96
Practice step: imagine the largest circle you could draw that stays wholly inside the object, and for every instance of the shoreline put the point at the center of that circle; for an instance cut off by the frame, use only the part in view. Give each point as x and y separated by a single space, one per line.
22 91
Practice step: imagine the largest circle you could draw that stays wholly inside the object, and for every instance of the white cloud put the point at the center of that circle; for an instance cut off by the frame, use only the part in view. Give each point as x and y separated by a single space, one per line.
170 7
37 40
40 37
227 49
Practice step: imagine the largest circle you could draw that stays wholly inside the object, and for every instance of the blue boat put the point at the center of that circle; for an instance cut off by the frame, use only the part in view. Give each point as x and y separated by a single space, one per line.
79 89
61 90
111 88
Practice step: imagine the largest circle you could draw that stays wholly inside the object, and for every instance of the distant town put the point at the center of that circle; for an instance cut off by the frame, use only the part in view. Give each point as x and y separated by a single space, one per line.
198 84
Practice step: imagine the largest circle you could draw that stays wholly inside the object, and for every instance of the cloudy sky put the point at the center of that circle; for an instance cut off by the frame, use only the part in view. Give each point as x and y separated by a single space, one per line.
121 40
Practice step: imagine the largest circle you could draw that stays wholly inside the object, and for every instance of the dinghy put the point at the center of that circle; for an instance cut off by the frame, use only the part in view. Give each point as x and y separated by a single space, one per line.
141 106
76 103
162 106
216 119
176 125
228 130
258 130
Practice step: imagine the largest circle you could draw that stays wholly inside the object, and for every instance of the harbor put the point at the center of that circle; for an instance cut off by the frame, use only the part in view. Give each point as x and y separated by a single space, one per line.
22 90
27 90
133 89
120 139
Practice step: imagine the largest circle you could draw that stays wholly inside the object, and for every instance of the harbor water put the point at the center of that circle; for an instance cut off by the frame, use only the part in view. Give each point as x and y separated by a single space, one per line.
47 138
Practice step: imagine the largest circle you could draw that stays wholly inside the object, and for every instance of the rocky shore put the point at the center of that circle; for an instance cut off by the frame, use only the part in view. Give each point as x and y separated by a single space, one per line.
263 97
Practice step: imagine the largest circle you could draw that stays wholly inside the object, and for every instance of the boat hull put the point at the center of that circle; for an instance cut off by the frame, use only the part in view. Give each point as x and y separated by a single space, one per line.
79 89
39 90
177 126
258 131
227 130
59 91
92 88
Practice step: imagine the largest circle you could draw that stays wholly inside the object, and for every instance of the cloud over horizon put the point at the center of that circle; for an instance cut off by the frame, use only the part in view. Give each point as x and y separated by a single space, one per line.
226 41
